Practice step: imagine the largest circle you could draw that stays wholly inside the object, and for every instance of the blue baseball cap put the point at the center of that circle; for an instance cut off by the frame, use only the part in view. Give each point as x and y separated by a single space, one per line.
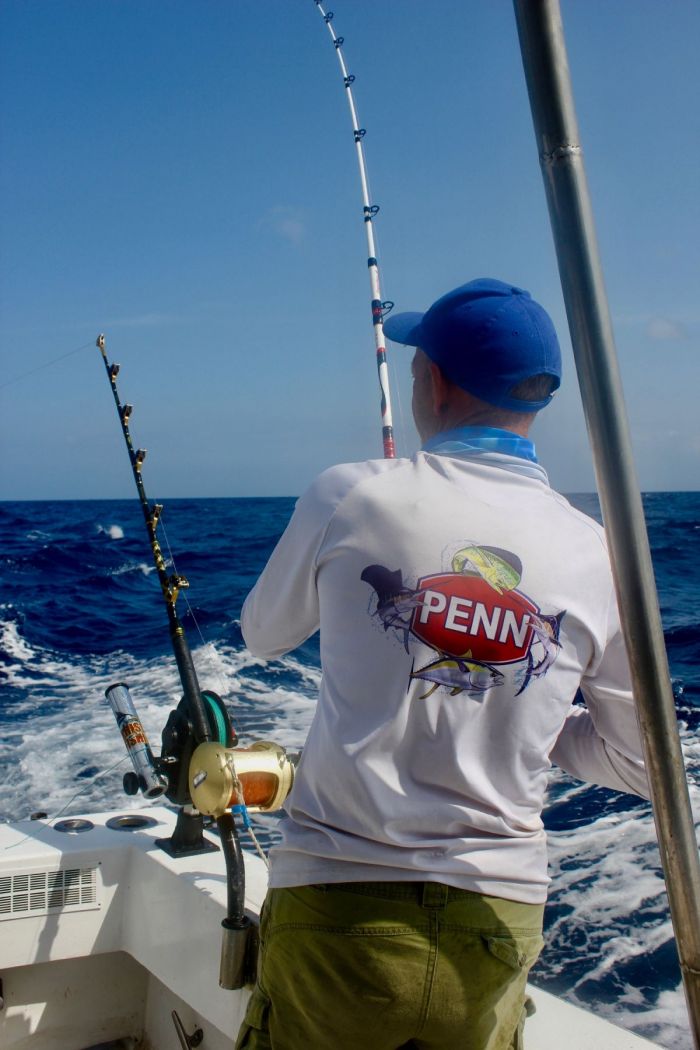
486 337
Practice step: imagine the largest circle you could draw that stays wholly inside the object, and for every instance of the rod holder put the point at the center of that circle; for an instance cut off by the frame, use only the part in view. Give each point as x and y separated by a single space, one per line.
187 840
239 954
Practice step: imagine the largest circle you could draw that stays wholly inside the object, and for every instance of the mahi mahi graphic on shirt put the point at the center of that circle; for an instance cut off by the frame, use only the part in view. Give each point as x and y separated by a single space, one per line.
473 617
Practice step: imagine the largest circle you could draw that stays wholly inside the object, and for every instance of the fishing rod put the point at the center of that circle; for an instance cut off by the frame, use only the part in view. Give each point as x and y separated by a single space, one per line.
369 211
200 767
171 585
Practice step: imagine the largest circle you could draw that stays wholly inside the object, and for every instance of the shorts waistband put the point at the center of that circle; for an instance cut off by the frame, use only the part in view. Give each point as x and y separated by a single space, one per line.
427 894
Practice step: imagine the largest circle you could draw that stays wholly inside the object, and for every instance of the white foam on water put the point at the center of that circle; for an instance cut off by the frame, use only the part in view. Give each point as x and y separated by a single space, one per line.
63 725
606 876
141 567
662 1018
280 711
115 532
13 643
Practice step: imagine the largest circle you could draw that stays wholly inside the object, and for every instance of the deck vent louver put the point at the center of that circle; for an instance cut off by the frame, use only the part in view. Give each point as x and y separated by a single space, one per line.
45 892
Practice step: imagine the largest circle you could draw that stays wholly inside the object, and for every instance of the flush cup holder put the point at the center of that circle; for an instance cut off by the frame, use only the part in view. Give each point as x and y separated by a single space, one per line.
131 822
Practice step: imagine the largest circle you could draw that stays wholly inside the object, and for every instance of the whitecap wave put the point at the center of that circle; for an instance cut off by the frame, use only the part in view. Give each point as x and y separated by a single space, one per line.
129 567
115 532
12 642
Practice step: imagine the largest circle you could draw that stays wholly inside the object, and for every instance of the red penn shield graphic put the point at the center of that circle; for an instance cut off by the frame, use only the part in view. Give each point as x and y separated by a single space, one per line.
462 614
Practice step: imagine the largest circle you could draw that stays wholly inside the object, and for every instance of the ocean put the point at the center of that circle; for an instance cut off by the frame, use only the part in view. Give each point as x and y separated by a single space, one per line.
80 608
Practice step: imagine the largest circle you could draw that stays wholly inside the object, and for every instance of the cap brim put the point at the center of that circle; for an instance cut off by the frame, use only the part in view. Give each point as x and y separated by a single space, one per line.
404 328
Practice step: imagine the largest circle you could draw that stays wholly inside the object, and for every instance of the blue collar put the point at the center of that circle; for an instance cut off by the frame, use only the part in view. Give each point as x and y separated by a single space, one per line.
466 441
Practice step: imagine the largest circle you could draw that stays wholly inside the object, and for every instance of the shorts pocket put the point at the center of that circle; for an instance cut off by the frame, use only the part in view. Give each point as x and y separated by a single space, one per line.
517 952
254 1033
519 1036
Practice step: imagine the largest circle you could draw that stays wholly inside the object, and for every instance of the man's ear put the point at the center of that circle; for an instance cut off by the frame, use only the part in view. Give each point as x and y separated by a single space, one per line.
440 390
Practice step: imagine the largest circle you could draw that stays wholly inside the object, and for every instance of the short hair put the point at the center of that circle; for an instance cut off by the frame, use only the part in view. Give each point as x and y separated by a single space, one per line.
535 388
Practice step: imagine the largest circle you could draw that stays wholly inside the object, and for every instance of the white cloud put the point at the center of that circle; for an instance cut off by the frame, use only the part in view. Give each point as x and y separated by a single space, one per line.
662 329
286 222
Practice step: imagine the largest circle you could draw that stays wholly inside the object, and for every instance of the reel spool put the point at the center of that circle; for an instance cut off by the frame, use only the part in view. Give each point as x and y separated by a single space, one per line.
178 742
259 777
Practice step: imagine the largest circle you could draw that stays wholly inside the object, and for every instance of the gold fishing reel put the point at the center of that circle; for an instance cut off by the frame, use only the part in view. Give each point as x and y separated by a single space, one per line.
259 777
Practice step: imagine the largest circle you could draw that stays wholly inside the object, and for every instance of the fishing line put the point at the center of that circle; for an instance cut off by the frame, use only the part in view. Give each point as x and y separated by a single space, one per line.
164 531
242 811
46 364
86 786
399 401
369 212
82 790
222 681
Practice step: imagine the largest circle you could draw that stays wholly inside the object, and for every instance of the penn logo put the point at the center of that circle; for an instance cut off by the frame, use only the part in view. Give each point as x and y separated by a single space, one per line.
473 618
463 615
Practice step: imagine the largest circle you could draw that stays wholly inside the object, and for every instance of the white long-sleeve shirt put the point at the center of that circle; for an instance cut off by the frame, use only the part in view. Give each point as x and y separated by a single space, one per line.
461 604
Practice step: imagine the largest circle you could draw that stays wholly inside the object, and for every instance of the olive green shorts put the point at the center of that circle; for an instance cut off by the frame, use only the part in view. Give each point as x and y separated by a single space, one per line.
386 965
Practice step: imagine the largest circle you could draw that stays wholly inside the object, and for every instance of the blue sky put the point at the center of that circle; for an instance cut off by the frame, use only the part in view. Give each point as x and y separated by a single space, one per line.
181 176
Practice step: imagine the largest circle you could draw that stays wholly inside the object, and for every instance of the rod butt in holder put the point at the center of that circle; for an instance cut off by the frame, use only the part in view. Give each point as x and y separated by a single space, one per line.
239 953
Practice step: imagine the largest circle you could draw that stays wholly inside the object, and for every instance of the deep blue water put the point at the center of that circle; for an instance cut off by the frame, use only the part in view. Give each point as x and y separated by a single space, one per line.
81 608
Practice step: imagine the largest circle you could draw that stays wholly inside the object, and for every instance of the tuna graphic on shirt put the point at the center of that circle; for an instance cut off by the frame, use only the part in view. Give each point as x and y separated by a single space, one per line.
473 617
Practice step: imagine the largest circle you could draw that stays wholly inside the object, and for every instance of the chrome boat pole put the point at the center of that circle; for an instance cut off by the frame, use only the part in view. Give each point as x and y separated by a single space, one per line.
556 130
